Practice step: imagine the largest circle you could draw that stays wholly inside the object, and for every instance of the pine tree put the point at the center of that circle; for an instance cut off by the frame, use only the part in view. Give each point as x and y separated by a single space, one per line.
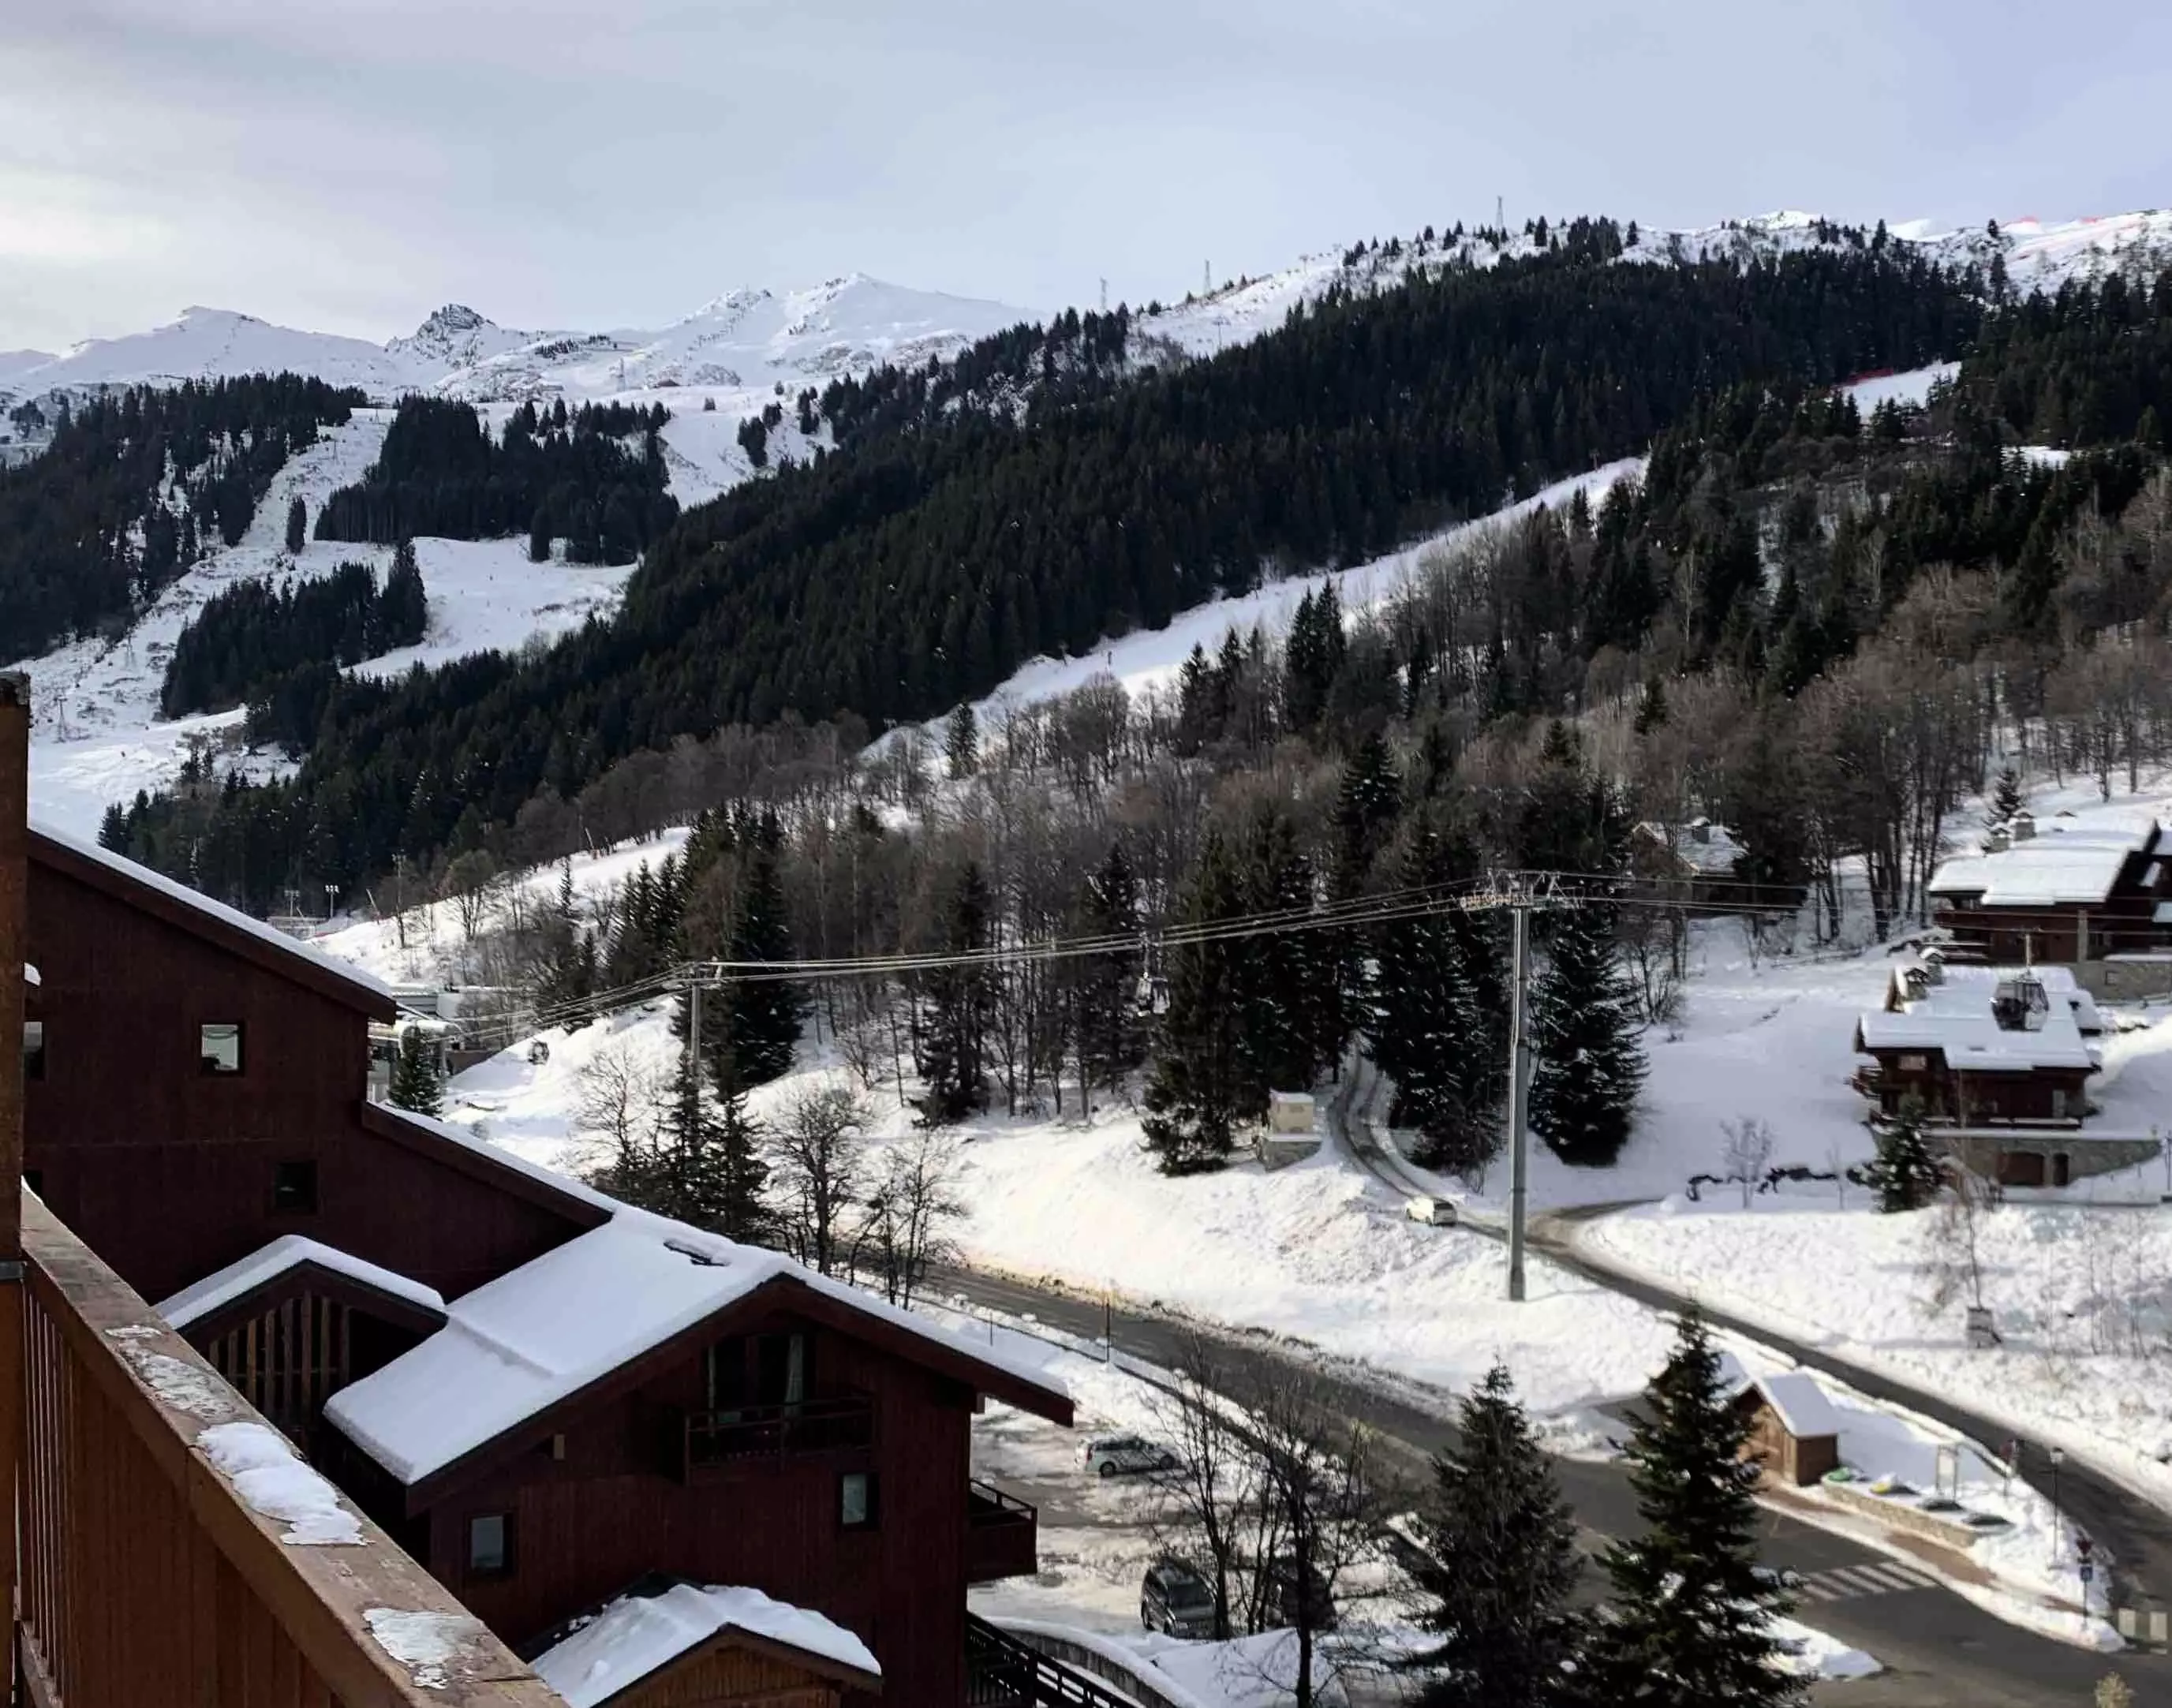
961 743
1105 989
1200 1089
415 1075
113 829
738 1209
1905 1175
950 1042
1425 1026
766 1014
1688 1625
1504 1564
297 527
1586 1034
1290 1005
2006 798
539 536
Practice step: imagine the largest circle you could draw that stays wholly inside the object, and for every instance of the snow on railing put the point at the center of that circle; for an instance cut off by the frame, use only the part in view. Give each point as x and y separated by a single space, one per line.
167 1533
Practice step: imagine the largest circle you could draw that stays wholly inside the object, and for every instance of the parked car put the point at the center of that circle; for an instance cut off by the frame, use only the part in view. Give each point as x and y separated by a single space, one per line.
1176 1600
1434 1212
1124 1456
1284 1601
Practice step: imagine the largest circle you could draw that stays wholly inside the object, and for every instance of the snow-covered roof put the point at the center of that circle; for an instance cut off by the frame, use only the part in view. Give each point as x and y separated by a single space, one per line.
520 1344
2067 859
1802 1406
1955 1016
319 966
636 1634
1707 849
223 1286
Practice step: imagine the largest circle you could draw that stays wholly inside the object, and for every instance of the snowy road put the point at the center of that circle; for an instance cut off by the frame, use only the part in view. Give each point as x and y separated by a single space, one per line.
1940 1652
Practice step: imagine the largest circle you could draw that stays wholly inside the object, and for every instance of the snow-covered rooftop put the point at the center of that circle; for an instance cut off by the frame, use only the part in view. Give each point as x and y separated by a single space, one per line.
2066 860
1703 847
368 983
1804 1407
636 1634
529 1339
223 1286
1955 1016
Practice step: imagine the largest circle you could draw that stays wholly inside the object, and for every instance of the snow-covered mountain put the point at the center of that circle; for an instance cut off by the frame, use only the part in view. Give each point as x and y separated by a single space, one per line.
744 342
2038 254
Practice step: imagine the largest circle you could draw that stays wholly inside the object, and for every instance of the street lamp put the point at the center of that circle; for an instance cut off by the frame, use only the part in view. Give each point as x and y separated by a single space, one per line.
2058 1458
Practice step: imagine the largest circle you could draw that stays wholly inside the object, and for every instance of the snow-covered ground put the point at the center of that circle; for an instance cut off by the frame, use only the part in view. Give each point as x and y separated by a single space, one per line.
96 735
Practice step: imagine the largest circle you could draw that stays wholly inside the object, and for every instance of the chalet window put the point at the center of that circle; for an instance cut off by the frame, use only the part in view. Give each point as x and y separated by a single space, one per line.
856 1501
780 1373
294 1187
219 1046
725 1378
489 1544
34 1050
1914 1064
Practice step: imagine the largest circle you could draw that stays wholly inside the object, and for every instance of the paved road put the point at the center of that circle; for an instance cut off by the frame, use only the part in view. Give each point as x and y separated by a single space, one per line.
2138 1535
1940 1652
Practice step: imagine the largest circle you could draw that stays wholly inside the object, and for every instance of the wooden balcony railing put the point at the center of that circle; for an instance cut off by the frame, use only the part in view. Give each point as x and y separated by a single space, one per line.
1003 1534
706 1439
149 1578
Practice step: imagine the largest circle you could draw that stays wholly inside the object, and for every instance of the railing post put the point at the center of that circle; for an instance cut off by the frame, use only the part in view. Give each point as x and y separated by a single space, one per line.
14 944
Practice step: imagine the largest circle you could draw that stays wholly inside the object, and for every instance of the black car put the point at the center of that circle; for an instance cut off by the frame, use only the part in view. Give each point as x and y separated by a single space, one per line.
1175 1600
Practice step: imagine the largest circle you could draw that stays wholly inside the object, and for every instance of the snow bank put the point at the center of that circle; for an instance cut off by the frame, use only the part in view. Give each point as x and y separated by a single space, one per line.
1813 1654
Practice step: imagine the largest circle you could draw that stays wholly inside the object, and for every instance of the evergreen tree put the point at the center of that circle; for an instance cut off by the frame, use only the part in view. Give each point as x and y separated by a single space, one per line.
1110 1042
1906 1174
1293 1020
1687 1624
2006 798
765 1014
1502 1542
961 743
951 1036
539 536
1652 706
738 1209
1586 1033
297 527
1426 1031
703 1165
415 1075
1200 1090
113 829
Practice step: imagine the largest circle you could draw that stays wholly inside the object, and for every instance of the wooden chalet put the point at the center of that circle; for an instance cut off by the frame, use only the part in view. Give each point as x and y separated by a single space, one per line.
545 1397
2069 891
1694 865
1973 1046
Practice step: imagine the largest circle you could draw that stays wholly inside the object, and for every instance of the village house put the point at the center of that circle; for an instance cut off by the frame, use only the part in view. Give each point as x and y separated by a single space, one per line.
1694 865
1998 1059
1794 1427
2094 894
560 1405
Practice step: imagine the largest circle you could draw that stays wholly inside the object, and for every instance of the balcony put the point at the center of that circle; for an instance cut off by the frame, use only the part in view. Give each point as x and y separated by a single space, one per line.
146 1573
699 1440
1001 1535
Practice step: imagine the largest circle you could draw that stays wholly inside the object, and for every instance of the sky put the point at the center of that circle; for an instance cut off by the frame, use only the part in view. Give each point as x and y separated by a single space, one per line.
348 165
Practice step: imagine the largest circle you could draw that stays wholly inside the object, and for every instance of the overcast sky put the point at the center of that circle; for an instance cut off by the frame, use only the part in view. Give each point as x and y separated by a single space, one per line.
349 165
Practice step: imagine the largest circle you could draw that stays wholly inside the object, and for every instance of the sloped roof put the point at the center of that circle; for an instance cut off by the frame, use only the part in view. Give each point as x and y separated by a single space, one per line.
636 1635
196 913
1803 1408
2067 859
580 1313
1955 1017
289 1252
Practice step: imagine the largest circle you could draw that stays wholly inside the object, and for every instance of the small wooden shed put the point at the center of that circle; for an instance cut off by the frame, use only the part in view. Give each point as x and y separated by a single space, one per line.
1794 1428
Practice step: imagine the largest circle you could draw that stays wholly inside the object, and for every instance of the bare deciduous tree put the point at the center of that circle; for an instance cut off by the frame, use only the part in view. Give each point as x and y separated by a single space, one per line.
619 1096
817 1175
909 1212
1747 1152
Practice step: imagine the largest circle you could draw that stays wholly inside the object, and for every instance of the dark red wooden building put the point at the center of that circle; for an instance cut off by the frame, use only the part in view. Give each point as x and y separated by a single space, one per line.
548 1397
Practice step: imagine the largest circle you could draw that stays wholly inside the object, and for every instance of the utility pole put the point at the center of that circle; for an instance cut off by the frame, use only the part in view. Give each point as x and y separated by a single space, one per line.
694 1035
1519 1082
1105 296
1500 215
1206 278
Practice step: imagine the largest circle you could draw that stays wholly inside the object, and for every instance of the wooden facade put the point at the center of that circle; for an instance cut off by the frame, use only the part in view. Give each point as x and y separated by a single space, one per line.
740 1669
174 1172
600 1493
1925 1078
2126 918
1785 1456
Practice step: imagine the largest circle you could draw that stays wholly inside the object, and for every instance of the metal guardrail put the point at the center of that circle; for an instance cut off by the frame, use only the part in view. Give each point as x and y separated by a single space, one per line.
1004 1671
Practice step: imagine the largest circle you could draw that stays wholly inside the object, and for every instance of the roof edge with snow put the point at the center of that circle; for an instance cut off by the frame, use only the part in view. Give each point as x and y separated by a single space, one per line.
238 1281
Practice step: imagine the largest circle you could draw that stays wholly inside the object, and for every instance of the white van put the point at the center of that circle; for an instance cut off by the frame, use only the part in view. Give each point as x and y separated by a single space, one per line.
1434 1212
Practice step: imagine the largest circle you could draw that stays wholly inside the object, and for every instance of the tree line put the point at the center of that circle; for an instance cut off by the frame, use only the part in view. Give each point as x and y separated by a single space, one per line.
238 649
134 487
552 475
925 565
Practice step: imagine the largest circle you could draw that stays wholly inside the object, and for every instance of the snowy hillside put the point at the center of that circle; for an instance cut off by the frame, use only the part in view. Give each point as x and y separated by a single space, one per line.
2038 254
96 737
736 349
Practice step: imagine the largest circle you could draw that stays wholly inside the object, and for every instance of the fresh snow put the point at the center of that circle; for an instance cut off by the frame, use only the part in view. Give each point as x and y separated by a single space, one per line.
548 1329
1911 389
636 1634
271 1481
223 1286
